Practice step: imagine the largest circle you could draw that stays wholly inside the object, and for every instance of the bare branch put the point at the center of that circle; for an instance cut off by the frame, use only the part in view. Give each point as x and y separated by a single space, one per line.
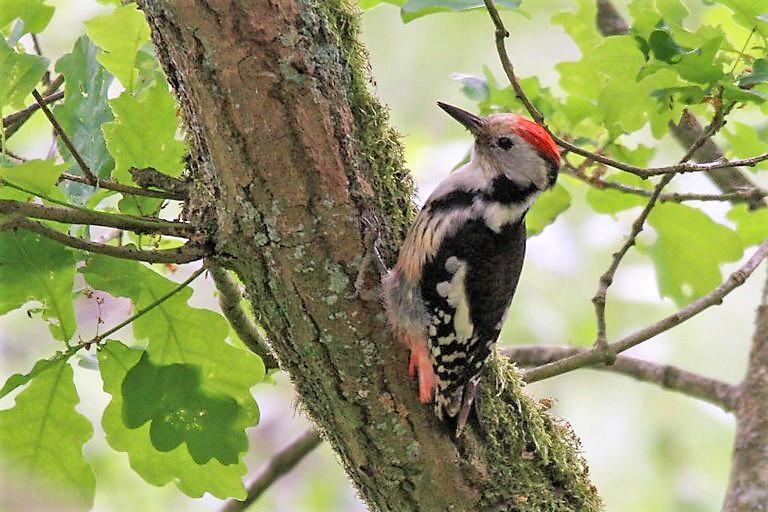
607 278
149 177
19 121
747 195
24 113
74 215
280 464
595 355
184 254
748 481
667 376
92 179
230 298
126 189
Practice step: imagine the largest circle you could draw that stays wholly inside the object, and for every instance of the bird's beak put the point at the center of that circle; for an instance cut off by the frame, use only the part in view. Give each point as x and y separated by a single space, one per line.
470 121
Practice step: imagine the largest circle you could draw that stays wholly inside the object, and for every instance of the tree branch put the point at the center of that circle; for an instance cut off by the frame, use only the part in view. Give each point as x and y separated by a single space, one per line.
667 376
25 113
230 298
184 254
126 189
149 177
748 195
75 215
280 464
605 281
92 179
595 355
19 121
748 482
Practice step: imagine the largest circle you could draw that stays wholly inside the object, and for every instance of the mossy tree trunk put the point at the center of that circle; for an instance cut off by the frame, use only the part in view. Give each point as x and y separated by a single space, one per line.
293 161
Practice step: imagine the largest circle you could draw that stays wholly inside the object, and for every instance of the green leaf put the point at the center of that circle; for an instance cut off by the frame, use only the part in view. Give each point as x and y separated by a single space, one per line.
156 467
178 333
546 209
143 133
19 379
700 65
606 81
610 201
747 13
413 9
734 93
35 14
745 141
120 35
689 249
37 176
751 225
33 268
182 411
83 112
664 47
19 72
688 95
758 75
580 25
42 437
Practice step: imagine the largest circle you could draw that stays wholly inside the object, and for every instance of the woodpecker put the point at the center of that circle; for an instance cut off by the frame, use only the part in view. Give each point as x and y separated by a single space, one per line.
449 293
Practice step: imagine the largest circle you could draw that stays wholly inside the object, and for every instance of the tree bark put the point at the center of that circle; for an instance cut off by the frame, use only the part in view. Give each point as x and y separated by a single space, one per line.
748 485
292 166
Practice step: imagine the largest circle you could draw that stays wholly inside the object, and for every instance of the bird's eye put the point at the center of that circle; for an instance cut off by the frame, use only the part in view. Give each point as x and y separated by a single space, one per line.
505 143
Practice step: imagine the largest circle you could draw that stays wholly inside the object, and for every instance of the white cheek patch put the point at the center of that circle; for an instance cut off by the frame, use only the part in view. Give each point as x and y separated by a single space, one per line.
454 292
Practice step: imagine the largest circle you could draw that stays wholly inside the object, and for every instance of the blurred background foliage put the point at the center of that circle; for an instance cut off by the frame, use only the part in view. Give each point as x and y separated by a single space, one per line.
648 450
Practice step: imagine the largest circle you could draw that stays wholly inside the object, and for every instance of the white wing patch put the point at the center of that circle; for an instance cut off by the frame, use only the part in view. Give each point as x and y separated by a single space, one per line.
454 292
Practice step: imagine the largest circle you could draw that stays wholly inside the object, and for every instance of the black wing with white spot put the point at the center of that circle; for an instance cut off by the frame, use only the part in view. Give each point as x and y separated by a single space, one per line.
467 289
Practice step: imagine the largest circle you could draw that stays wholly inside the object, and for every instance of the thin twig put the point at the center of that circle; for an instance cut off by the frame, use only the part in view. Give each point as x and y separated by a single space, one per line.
746 195
509 70
143 311
92 179
126 189
52 88
39 51
280 464
605 281
150 177
185 254
230 299
31 109
595 356
667 376
14 156
73 215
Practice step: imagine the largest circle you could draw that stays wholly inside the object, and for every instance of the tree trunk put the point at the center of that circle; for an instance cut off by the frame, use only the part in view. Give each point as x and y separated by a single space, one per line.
292 162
